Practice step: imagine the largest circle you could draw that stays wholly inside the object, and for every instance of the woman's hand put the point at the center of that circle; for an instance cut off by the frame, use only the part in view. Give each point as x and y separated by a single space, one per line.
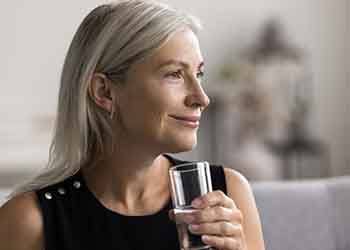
217 219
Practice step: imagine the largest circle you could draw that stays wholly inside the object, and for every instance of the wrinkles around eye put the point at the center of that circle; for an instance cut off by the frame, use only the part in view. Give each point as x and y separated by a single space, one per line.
180 75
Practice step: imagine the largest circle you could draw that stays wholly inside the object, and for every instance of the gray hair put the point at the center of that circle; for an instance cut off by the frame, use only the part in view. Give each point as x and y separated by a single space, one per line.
110 39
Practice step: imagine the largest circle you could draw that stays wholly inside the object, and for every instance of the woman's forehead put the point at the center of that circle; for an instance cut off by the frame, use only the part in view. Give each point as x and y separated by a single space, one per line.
181 49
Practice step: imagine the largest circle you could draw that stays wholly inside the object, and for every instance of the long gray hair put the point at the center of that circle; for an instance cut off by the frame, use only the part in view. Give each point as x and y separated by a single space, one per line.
109 40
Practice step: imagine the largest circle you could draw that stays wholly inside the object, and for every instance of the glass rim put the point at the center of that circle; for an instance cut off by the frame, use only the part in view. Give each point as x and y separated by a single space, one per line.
175 167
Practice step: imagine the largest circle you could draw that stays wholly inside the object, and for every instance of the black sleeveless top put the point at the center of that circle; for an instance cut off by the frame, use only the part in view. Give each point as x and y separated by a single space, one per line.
74 219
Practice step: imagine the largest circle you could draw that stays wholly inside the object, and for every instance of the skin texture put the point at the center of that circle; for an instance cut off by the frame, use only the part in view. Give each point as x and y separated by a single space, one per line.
143 110
21 224
144 106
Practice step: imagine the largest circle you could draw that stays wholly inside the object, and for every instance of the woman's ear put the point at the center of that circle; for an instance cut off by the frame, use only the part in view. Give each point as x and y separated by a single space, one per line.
101 91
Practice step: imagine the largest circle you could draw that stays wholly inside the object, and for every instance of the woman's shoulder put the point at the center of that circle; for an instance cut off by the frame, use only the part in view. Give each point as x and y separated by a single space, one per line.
239 189
237 184
59 191
234 177
21 224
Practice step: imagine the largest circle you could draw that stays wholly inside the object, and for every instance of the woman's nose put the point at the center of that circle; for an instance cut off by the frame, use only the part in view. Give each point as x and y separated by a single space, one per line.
197 96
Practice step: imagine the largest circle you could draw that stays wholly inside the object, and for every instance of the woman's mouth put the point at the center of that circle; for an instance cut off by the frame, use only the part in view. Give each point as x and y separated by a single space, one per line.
188 121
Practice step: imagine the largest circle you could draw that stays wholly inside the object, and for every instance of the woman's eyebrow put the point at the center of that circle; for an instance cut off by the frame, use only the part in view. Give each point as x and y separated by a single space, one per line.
178 62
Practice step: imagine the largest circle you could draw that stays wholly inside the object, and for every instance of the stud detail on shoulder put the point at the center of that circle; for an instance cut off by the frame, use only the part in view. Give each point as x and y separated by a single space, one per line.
77 184
61 191
48 195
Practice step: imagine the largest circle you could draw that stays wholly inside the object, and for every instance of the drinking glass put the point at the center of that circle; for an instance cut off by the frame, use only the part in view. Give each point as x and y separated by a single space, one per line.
189 181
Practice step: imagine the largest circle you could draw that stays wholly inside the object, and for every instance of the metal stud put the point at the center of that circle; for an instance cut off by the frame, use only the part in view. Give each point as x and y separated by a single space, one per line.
61 191
48 195
77 184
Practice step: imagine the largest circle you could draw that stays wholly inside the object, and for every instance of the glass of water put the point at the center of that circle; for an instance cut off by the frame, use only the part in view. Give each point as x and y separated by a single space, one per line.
189 181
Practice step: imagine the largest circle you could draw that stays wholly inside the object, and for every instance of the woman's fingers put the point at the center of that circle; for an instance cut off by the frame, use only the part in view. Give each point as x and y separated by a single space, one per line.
215 198
217 228
223 243
210 214
216 217
171 214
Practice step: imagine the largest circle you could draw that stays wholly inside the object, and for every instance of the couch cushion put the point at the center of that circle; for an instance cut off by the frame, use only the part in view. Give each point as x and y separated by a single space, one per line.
296 215
340 195
3 194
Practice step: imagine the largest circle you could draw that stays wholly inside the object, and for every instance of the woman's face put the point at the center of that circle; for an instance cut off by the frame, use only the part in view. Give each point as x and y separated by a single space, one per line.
160 104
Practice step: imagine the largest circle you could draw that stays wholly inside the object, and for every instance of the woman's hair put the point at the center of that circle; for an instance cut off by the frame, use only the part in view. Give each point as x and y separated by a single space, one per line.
110 39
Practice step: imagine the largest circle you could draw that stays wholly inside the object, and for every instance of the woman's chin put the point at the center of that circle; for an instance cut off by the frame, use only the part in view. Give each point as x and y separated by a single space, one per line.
183 144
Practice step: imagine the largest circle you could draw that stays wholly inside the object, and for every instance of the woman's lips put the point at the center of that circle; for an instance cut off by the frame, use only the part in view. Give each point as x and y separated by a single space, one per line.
188 121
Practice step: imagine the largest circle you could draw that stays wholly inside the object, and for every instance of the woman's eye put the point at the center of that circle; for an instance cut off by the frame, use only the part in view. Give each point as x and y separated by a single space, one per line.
200 74
176 74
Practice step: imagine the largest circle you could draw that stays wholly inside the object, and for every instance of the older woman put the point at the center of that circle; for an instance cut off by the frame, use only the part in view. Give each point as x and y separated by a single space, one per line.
130 93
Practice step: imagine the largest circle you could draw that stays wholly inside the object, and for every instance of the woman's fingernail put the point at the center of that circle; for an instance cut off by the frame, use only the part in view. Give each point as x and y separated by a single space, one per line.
196 203
193 227
205 238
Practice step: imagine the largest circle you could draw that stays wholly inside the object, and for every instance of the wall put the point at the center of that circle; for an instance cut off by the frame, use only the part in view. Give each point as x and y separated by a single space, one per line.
36 35
319 27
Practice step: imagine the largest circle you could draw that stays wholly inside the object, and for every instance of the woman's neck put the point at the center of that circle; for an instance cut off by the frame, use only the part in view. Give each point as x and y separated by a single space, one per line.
129 184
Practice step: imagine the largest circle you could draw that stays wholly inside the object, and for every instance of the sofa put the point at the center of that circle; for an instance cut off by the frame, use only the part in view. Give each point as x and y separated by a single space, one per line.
305 215
301 215
3 193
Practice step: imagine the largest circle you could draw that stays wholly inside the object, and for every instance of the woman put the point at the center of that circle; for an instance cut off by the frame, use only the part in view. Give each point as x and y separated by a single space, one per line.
130 93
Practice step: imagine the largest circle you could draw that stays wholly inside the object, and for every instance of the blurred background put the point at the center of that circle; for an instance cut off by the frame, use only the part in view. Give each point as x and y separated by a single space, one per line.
277 73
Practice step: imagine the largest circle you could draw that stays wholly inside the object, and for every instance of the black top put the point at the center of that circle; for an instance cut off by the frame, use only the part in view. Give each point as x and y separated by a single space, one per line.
74 219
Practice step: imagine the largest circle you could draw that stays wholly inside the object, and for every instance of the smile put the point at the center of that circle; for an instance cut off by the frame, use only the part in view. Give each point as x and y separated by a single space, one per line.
187 121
